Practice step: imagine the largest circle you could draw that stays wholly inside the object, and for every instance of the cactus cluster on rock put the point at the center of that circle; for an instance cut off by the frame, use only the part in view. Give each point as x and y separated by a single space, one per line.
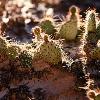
43 51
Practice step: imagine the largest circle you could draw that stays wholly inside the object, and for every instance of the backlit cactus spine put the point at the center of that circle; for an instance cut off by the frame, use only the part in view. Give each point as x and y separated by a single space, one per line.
91 21
48 52
69 29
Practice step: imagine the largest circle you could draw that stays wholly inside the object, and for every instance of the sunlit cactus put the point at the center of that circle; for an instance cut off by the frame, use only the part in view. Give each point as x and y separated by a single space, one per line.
95 54
69 29
48 26
3 45
12 52
48 52
25 59
98 31
92 95
91 21
46 38
73 10
37 32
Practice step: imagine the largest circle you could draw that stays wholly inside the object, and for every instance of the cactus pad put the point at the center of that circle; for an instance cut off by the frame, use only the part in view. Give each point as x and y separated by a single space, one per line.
26 59
49 52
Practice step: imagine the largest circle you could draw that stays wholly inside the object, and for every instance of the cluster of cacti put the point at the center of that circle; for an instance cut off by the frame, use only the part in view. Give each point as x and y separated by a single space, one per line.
25 59
38 56
48 52
69 29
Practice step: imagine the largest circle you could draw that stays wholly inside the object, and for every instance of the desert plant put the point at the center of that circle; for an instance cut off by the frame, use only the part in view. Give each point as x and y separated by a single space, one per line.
69 29
93 95
12 52
95 53
98 31
48 52
25 59
3 45
48 26
91 21
37 32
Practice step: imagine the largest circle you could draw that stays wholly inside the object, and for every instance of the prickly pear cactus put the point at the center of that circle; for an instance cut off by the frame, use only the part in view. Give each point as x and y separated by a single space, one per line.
92 95
92 38
97 97
96 53
37 32
73 10
91 22
98 31
3 45
48 26
48 52
12 52
25 59
69 29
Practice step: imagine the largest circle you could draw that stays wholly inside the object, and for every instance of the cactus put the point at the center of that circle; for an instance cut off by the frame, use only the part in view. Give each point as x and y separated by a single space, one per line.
37 32
48 26
95 54
97 97
3 45
69 29
98 31
48 52
12 52
25 59
92 95
91 22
